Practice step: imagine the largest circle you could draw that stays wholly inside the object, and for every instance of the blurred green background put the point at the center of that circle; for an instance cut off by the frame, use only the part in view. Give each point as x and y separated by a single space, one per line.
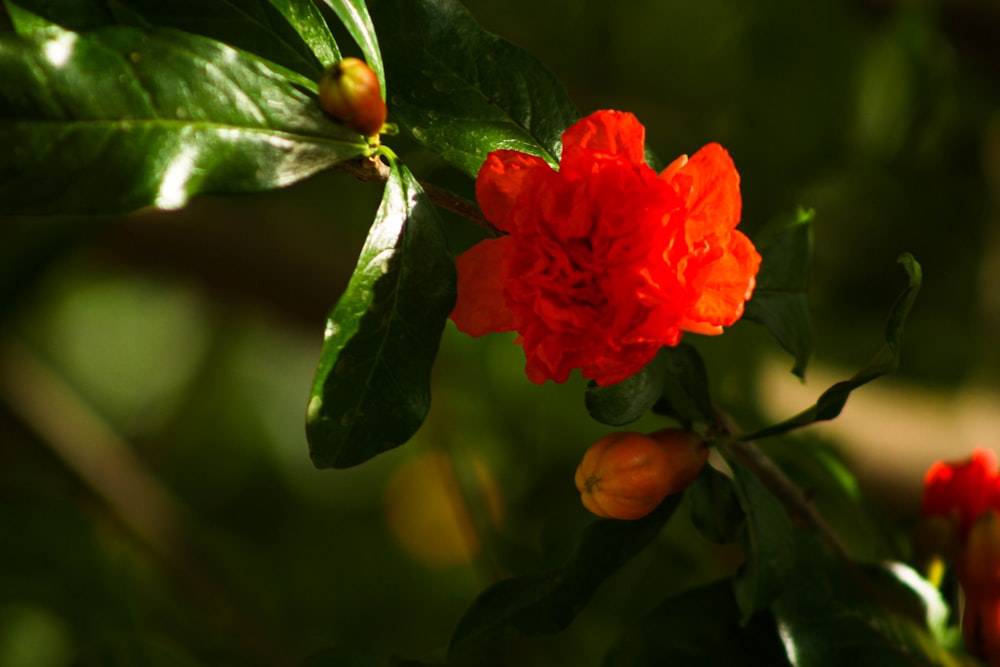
157 503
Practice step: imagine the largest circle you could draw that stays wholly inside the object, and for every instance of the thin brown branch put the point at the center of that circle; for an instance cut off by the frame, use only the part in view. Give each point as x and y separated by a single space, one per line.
372 169
799 507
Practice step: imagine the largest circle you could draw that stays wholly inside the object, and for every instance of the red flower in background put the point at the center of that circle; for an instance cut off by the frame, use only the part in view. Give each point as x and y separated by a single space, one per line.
967 494
962 489
605 261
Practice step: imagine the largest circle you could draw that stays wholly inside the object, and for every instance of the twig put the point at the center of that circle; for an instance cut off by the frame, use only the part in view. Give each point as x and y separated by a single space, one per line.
372 169
799 507
786 491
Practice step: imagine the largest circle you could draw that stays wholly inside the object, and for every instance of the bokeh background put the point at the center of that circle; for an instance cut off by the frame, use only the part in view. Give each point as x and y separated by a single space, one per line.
157 503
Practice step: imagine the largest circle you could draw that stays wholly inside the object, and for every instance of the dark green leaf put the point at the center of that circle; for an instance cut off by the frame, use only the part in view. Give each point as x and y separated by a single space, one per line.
118 119
463 92
715 507
547 602
685 385
291 33
626 401
77 15
700 627
832 401
354 15
372 387
770 543
780 300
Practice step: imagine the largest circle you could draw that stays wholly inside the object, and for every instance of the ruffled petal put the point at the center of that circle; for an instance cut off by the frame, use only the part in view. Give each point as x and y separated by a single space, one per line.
710 186
725 285
607 134
481 307
501 180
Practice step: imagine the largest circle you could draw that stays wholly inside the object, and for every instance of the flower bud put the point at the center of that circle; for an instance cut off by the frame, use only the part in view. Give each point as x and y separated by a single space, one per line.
349 91
625 475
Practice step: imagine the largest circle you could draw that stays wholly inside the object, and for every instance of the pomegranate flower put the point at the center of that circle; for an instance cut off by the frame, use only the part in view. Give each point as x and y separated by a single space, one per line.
605 261
967 495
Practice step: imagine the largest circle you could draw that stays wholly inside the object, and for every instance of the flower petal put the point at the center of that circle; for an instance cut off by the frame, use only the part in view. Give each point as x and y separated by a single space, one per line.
501 180
602 134
481 307
723 285
710 186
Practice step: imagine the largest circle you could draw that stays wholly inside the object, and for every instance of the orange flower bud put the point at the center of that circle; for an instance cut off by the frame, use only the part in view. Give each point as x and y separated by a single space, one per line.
625 475
349 91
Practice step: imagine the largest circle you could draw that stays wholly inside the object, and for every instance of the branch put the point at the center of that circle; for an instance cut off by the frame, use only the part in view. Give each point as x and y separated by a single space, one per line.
372 169
799 507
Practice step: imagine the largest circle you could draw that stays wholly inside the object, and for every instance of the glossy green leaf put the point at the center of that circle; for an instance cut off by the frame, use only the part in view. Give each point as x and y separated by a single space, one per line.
769 539
308 22
354 15
685 395
547 602
780 300
118 119
77 15
291 33
464 92
835 614
702 627
372 386
626 401
832 401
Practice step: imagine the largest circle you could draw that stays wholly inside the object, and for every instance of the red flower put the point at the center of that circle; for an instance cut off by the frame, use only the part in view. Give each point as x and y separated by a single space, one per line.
962 489
604 261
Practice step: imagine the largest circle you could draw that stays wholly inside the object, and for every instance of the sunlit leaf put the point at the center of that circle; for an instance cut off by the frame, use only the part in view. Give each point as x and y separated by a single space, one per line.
832 401
547 602
780 299
462 91
372 386
354 15
290 33
121 118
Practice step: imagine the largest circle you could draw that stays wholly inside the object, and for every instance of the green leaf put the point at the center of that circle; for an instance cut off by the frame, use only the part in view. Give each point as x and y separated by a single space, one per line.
464 92
770 542
702 627
547 602
685 395
832 401
354 15
291 33
626 401
835 614
308 22
715 507
24 21
118 119
780 300
78 15
372 387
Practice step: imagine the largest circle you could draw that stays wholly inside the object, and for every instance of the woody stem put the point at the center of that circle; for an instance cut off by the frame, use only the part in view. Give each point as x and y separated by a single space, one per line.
788 493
